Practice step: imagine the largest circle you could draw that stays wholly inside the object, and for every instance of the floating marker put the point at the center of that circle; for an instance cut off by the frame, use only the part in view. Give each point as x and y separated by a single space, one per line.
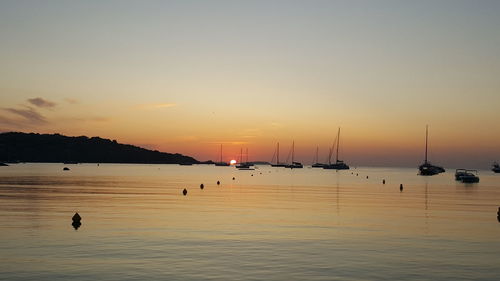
76 217
383 181
218 182
252 175
366 176
65 169
233 178
202 186
356 174
185 192
401 187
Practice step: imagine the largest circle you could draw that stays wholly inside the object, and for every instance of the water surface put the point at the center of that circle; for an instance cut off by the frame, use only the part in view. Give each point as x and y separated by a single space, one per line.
267 224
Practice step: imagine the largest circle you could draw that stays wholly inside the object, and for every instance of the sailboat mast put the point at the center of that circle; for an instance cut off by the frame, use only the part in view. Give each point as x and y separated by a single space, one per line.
278 154
338 140
221 153
293 150
317 151
241 155
247 155
426 137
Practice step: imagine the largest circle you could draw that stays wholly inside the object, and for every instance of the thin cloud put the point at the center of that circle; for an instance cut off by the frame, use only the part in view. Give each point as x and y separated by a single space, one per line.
71 101
43 103
156 106
28 113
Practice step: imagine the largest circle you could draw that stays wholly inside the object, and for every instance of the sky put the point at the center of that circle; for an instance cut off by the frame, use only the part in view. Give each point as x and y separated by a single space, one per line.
188 76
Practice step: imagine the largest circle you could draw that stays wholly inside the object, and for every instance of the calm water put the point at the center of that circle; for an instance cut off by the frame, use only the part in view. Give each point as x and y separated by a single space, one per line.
279 224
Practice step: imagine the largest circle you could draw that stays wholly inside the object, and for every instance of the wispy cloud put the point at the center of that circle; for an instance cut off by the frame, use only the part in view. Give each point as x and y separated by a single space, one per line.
28 113
156 106
40 102
71 101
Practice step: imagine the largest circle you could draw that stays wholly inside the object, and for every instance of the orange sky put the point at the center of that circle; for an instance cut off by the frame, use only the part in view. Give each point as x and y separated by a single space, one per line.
186 77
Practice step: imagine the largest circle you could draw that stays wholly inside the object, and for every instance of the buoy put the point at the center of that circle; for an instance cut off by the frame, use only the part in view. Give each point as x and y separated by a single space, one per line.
233 178
401 187
356 174
252 175
383 181
261 173
65 169
185 192
202 186
218 182
366 176
76 217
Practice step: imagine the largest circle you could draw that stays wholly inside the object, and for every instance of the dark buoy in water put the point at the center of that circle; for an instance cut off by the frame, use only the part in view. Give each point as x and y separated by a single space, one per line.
65 169
261 173
185 192
218 182
366 176
401 187
252 175
383 181
202 186
233 178
356 174
76 221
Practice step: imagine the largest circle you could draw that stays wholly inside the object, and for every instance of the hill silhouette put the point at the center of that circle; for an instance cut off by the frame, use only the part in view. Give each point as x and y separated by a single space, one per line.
32 147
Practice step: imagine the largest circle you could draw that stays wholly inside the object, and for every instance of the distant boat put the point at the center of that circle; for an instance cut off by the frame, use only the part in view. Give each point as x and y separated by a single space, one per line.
277 154
427 169
496 167
3 164
186 164
70 162
244 165
466 176
294 165
316 163
339 164
220 163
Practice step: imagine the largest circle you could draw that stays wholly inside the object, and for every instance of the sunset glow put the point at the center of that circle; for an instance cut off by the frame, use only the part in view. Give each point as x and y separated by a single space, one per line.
252 75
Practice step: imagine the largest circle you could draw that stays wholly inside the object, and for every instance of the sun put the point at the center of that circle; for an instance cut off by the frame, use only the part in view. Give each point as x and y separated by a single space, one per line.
232 162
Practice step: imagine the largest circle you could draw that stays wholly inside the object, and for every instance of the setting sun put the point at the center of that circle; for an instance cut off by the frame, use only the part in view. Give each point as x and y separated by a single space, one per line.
232 162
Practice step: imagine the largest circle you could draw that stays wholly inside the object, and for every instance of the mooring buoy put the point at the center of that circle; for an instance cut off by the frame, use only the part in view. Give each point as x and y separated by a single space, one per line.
202 186
185 192
383 181
218 182
401 187
233 178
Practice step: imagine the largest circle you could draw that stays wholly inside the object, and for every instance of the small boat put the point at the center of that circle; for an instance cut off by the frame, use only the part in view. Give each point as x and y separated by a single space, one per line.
339 164
220 163
316 163
459 173
427 169
294 165
277 154
469 176
496 167
3 164
244 165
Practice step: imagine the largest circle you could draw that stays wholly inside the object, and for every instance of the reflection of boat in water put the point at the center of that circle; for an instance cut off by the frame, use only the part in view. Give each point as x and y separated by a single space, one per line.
427 169
466 176
316 163
277 155
294 165
220 163
496 167
339 164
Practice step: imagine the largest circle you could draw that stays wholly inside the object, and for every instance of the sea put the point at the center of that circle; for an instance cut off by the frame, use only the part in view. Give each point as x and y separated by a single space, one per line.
270 223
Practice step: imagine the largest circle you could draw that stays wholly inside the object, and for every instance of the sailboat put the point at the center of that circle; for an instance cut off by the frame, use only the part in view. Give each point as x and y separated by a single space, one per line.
220 163
496 167
427 169
339 164
277 153
316 163
294 165
244 165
